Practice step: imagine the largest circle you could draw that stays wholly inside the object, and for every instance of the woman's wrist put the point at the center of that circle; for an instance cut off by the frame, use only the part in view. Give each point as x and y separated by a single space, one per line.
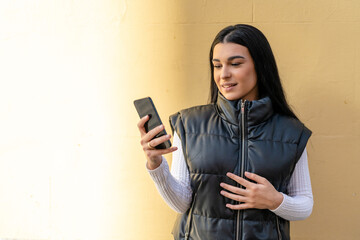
278 199
151 164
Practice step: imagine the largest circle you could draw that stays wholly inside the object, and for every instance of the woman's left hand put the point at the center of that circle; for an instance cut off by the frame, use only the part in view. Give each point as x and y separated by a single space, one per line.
260 195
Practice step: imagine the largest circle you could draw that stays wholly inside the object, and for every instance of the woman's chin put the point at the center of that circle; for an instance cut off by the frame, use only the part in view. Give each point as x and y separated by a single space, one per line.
231 97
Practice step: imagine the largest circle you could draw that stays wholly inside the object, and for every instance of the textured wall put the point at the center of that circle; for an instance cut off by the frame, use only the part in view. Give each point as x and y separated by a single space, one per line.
70 162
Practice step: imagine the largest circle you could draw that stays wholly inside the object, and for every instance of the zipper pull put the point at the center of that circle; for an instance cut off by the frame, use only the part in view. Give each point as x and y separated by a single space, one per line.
243 106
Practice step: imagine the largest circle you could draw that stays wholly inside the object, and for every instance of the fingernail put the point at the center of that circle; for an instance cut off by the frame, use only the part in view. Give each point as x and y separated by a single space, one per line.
221 184
222 192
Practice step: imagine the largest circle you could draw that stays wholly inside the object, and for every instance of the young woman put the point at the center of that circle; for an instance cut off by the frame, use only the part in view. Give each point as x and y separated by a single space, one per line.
241 168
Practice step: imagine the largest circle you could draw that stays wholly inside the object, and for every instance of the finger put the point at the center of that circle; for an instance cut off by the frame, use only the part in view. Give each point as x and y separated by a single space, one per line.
159 140
241 206
239 180
152 133
232 196
164 151
155 153
141 124
233 189
255 177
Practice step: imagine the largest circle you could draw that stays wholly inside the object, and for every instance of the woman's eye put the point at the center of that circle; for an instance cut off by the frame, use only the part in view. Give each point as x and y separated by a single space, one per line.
235 64
217 66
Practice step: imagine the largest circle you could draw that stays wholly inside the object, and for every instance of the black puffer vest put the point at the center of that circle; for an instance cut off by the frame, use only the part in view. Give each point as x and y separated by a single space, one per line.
235 136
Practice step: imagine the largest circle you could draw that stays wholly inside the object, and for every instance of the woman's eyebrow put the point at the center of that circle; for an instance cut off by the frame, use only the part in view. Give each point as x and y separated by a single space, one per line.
233 57
229 59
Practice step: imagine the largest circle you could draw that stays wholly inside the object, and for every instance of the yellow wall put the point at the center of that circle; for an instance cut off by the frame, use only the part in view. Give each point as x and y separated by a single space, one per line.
71 166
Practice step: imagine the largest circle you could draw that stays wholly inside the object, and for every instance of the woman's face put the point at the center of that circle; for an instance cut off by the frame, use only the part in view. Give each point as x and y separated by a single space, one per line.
234 72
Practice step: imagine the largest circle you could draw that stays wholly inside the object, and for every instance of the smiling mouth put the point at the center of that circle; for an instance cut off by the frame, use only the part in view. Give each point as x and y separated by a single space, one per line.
228 85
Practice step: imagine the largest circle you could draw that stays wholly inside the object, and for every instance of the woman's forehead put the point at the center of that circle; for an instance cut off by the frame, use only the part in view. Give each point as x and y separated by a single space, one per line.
228 50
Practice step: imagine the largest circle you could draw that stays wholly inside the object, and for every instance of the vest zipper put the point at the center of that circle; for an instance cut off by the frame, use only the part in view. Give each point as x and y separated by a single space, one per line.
278 228
239 217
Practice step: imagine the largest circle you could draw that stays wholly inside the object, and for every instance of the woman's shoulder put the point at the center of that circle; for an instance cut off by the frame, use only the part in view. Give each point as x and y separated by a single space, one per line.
196 110
287 121
289 126
193 114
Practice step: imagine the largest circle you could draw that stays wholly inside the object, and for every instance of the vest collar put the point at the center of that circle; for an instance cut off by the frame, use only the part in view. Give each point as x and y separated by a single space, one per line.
257 111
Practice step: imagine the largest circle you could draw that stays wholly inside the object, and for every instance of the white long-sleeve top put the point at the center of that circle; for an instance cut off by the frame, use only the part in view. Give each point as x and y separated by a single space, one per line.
175 188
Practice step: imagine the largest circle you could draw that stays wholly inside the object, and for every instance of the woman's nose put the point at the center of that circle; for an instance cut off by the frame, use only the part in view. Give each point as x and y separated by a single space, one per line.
225 73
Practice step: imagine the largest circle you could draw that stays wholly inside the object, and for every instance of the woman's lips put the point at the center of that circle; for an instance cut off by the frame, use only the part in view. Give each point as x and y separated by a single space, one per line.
228 86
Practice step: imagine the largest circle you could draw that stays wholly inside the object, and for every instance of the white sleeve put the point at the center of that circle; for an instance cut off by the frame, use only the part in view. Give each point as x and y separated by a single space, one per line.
174 186
298 204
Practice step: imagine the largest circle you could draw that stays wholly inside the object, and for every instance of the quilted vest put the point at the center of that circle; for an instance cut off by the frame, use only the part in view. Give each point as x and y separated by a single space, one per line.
235 136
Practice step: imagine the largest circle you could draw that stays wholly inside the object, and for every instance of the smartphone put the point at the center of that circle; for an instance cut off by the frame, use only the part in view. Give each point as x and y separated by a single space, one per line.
145 106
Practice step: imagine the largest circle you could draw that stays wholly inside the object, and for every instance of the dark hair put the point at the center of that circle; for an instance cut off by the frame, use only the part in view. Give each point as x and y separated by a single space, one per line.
268 79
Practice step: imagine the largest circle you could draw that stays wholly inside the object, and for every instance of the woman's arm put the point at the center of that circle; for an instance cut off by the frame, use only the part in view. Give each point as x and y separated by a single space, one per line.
174 186
298 204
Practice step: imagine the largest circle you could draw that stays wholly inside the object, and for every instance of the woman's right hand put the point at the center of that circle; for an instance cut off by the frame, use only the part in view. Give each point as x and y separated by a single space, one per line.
148 144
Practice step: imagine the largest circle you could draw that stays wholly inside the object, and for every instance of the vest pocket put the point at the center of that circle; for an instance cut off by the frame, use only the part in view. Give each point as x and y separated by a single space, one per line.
278 228
189 219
